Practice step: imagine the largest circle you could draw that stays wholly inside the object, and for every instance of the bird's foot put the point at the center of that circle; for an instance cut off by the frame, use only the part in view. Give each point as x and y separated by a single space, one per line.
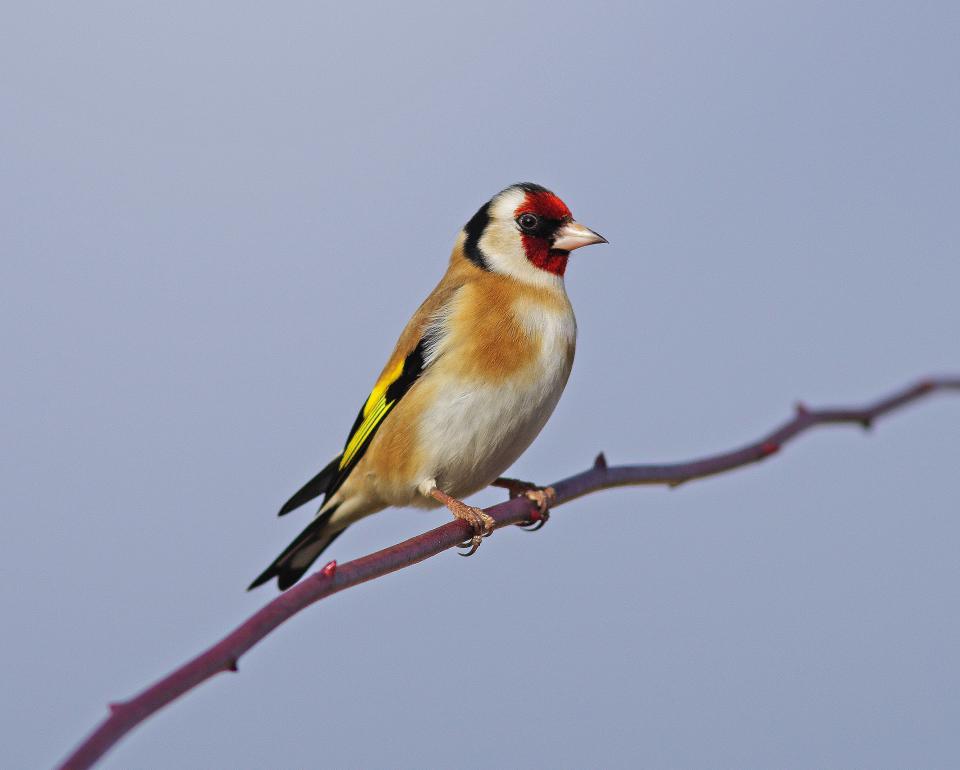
481 523
542 497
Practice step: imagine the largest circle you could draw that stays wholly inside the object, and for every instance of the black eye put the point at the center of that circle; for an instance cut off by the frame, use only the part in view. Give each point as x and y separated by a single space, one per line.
528 222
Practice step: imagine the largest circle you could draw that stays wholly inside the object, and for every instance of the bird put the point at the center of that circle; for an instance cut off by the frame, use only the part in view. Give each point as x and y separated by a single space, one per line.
474 377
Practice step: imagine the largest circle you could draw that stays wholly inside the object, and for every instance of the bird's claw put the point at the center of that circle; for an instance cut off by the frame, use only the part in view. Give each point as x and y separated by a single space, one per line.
482 524
514 487
473 544
543 498
534 524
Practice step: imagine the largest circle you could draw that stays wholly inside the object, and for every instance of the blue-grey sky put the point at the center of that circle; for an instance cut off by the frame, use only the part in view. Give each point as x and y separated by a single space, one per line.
216 217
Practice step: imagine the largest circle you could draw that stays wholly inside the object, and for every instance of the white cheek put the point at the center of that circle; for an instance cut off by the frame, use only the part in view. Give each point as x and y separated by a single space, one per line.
501 245
503 249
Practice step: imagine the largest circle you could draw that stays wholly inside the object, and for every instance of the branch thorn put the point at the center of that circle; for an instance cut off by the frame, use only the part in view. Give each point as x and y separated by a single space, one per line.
768 448
116 707
600 463
329 569
231 665
867 423
801 408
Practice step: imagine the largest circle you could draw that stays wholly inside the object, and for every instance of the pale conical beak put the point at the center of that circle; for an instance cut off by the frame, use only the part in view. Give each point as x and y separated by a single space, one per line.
573 235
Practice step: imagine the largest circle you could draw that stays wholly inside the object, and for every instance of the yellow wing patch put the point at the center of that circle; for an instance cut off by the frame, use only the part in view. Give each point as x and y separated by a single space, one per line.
390 388
374 410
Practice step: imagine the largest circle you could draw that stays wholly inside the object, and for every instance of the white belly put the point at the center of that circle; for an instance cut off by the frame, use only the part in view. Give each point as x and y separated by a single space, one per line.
474 430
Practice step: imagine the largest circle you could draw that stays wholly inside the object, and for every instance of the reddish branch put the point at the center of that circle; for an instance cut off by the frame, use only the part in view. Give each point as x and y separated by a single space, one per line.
223 656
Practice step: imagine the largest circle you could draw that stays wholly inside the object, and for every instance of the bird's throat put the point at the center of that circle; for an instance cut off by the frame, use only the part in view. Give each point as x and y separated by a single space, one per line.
540 254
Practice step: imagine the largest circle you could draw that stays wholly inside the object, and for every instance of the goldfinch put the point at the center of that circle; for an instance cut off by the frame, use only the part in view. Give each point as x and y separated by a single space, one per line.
474 376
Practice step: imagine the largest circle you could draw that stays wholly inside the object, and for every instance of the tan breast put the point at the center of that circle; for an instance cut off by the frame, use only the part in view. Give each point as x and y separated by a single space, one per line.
498 375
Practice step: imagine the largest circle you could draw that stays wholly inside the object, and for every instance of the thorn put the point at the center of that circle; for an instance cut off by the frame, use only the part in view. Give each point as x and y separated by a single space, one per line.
867 423
116 707
925 386
329 569
801 408
601 462
768 448
231 665
676 483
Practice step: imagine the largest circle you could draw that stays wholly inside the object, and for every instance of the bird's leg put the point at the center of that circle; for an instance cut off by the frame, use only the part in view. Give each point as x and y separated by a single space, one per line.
482 523
542 497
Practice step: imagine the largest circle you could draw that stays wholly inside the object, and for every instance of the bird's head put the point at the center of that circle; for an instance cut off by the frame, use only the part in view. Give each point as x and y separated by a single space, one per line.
526 232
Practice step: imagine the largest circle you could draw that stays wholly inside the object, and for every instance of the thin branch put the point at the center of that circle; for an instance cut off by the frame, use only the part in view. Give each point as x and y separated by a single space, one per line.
223 656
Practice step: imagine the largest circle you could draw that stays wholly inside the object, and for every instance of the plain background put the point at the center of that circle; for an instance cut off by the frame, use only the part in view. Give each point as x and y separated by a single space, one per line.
216 217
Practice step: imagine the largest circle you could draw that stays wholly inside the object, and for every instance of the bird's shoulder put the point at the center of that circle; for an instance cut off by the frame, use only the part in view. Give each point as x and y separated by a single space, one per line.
427 325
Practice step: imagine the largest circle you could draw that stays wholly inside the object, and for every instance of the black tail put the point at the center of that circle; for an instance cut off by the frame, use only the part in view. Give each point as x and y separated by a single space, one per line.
296 559
317 486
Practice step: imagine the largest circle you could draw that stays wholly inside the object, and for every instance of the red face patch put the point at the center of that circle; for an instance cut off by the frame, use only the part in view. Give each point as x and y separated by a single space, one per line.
549 207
